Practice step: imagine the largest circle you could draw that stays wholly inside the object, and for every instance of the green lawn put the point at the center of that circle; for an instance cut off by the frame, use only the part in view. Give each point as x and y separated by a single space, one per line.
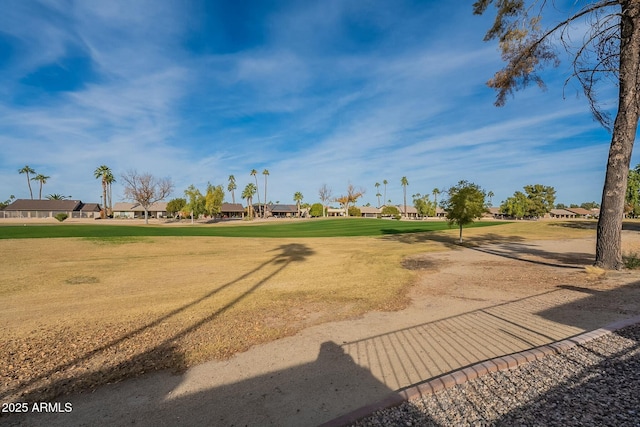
305 228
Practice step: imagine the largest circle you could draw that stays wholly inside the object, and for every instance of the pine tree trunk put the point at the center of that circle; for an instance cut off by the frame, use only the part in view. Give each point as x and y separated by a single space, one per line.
609 237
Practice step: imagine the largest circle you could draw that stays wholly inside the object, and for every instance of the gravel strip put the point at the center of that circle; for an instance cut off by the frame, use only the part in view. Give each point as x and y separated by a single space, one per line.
592 384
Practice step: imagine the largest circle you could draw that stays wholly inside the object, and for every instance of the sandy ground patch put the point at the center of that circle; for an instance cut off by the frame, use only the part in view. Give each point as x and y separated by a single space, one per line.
469 304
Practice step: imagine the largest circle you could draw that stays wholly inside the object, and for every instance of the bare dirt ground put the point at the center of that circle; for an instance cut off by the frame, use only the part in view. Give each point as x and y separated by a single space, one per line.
469 304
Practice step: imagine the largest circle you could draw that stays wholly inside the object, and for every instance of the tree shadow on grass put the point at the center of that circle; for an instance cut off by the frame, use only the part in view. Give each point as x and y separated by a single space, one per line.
450 241
163 355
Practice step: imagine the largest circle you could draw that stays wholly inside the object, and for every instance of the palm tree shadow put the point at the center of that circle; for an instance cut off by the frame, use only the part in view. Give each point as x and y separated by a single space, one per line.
164 355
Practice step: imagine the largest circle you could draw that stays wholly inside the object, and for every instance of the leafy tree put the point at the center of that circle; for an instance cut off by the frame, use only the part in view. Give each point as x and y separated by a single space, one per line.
325 194
27 170
390 210
404 182
355 211
247 194
590 205
232 187
516 206
609 48
297 197
561 206
213 199
632 196
266 174
176 205
424 206
317 209
145 189
465 204
352 196
42 179
195 202
541 199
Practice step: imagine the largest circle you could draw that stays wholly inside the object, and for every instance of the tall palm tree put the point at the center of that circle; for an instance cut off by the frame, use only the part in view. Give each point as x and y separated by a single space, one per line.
254 173
109 179
43 180
248 193
435 193
297 197
490 196
266 174
404 184
28 170
377 185
385 182
102 172
231 187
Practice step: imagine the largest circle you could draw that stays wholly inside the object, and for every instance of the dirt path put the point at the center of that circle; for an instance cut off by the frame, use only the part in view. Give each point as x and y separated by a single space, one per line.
470 304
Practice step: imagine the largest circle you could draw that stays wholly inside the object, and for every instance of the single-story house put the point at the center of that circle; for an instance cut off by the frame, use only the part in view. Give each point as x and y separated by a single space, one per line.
412 212
369 211
335 212
580 212
495 213
284 211
135 210
232 210
27 208
562 213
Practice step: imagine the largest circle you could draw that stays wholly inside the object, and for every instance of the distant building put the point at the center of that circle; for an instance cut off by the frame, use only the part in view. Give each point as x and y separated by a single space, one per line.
27 208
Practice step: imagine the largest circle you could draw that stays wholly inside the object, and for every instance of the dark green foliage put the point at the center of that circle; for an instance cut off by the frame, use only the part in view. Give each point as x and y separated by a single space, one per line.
175 205
354 211
390 211
465 204
61 216
316 210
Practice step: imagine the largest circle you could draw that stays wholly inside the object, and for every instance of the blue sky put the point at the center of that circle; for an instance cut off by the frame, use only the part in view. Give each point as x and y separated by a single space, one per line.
317 92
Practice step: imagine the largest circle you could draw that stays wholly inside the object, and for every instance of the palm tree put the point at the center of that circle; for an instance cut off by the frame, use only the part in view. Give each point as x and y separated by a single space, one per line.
377 185
254 173
266 174
248 193
57 196
28 170
109 179
231 187
385 182
404 184
435 193
297 197
102 172
43 180
490 196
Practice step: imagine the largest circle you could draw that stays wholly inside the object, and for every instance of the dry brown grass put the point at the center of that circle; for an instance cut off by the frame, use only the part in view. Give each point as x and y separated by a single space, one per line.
79 313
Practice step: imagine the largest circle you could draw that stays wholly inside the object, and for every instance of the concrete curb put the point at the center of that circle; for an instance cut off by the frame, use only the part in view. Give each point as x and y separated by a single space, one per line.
463 375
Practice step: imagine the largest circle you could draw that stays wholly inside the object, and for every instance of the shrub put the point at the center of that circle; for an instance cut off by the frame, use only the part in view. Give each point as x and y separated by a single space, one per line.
61 216
631 260
316 210
354 211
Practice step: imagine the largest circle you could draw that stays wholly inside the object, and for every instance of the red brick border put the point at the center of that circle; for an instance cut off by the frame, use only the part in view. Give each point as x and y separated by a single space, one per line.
461 376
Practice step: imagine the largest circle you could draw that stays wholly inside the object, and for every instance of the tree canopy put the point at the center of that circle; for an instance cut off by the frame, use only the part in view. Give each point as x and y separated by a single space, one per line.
608 51
465 204
145 189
